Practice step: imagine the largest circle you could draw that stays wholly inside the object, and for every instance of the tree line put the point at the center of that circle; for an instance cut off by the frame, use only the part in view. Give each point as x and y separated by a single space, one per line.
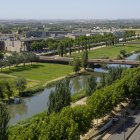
14 59
65 45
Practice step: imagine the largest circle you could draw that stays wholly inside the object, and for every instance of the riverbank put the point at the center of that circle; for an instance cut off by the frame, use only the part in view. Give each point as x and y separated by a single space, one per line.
38 103
111 52
38 75
32 91
99 105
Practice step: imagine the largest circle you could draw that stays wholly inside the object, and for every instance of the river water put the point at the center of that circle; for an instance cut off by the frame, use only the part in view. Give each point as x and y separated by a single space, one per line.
38 103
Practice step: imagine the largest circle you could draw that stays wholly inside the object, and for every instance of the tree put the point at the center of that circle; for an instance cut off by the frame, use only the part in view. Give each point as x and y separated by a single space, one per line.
138 58
4 119
138 36
31 57
61 97
9 88
76 64
70 44
85 59
123 53
61 48
114 74
37 46
103 80
21 84
16 58
24 58
2 89
91 85
10 61
2 63
1 55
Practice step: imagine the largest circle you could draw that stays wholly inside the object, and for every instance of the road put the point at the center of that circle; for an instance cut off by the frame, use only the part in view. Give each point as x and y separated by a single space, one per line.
136 135
130 124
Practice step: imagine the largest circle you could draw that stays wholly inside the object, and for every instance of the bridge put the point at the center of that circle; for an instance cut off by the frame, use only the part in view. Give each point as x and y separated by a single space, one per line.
67 60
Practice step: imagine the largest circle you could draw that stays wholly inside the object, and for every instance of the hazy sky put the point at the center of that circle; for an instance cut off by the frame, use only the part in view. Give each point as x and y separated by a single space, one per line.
69 9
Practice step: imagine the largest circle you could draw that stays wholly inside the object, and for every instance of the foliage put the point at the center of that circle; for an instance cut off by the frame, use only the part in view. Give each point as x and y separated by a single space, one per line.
123 53
138 58
84 60
91 85
7 89
1 55
114 74
4 119
18 58
109 52
79 95
70 122
37 45
61 97
21 84
81 42
76 64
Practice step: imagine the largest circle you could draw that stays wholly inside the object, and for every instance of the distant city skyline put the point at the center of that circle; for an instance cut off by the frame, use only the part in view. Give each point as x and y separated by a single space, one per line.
69 9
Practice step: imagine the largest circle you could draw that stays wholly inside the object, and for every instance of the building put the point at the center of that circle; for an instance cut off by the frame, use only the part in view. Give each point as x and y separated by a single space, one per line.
48 34
2 46
10 43
13 45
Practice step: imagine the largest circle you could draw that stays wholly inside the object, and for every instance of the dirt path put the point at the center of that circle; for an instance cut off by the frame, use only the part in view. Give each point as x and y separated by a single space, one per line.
79 102
95 48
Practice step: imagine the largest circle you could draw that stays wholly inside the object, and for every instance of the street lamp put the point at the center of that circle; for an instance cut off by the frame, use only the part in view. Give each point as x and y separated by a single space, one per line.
124 115
124 126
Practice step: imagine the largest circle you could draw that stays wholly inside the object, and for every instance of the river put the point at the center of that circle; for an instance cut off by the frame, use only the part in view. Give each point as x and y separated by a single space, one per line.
38 103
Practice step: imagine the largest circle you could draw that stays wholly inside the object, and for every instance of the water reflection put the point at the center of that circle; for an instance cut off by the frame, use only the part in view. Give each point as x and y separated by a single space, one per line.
20 110
101 70
76 84
118 65
133 56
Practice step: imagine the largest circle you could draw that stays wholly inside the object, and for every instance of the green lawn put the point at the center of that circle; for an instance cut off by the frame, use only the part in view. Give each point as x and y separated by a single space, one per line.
109 52
39 73
6 77
136 30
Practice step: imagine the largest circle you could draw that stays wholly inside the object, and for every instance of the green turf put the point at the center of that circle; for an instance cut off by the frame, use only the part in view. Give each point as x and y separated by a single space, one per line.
109 52
39 72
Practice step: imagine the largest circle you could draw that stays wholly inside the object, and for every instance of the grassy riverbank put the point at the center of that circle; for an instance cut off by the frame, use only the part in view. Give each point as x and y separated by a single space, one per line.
39 72
38 75
110 52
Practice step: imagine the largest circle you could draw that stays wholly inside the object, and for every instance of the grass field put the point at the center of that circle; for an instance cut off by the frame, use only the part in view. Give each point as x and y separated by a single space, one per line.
38 73
109 52
136 30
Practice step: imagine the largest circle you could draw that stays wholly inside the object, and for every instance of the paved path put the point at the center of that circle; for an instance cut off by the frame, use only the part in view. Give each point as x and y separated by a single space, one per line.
130 124
136 135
